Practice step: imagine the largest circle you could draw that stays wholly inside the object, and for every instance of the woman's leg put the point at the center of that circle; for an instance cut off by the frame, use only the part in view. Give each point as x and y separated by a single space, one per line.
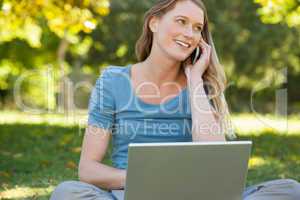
281 189
76 190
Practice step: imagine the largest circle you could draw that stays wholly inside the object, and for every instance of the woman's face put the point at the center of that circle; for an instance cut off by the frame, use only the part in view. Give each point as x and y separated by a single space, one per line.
178 32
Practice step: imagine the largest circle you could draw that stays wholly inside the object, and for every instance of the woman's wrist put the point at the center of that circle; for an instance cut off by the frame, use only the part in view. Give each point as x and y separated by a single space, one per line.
195 82
192 74
123 178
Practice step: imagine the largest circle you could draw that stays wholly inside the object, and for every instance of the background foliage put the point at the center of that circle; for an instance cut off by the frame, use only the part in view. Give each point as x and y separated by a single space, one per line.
257 41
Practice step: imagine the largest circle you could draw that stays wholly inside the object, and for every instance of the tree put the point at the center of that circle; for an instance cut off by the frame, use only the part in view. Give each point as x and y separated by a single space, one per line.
27 20
274 11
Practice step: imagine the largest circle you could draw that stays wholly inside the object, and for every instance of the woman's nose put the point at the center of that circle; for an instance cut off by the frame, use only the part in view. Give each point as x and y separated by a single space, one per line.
188 32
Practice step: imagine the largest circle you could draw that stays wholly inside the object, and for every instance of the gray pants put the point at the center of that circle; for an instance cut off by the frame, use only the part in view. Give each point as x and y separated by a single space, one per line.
282 189
77 190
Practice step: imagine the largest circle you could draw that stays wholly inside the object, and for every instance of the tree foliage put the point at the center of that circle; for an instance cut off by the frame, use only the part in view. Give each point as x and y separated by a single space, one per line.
25 19
253 45
276 11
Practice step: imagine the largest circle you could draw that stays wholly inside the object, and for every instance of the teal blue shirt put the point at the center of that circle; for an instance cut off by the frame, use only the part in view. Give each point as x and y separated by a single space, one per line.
114 105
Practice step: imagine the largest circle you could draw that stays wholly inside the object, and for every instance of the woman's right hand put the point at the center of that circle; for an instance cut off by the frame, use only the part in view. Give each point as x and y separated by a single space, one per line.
196 70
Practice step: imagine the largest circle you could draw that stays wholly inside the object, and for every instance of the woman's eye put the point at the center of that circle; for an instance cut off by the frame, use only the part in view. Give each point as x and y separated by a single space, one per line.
198 28
181 21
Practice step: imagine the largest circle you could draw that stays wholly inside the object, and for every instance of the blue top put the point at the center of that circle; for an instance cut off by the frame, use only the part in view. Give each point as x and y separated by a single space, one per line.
114 105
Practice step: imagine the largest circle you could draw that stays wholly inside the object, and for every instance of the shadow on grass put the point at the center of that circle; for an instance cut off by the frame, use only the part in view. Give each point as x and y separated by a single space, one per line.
43 155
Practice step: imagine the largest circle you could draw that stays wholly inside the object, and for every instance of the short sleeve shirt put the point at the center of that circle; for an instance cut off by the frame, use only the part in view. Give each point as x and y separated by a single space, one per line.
114 105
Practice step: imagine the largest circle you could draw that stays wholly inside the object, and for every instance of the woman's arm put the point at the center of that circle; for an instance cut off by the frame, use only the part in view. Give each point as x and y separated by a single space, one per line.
205 124
91 170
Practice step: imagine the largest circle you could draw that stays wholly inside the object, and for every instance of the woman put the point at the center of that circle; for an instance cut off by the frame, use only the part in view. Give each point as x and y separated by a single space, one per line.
155 99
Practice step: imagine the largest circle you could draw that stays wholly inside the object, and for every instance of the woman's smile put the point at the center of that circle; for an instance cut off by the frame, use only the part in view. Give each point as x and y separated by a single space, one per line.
183 44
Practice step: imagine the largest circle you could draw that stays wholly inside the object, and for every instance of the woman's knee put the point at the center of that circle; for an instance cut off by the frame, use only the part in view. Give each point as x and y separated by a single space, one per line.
65 190
77 190
294 186
296 189
280 189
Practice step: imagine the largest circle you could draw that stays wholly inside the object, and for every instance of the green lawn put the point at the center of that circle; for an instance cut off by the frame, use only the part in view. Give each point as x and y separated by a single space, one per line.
38 152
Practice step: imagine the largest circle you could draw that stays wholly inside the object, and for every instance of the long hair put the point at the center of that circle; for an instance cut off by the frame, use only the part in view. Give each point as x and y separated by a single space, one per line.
214 76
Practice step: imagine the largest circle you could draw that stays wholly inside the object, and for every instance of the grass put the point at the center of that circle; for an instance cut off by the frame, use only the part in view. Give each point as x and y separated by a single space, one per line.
39 151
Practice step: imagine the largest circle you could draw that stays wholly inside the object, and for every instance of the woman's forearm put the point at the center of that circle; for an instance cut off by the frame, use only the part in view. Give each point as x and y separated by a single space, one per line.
101 175
205 126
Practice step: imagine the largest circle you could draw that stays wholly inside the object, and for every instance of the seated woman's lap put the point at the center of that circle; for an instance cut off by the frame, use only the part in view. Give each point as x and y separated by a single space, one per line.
280 189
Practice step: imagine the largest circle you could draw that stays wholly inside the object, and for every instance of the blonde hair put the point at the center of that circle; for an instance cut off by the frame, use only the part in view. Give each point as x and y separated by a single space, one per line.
214 76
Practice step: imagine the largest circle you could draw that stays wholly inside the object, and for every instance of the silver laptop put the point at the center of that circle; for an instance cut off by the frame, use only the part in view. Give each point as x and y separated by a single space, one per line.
186 170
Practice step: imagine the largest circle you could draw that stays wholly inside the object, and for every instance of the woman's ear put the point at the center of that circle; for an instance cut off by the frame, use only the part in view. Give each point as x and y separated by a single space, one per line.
153 24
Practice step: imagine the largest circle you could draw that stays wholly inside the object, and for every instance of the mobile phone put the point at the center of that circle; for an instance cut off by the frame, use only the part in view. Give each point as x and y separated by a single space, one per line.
196 55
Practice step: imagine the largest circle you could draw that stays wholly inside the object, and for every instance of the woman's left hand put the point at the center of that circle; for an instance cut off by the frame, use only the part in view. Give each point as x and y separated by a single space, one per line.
201 64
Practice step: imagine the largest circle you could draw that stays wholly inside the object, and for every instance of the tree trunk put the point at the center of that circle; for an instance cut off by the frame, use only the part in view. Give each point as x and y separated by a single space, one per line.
65 99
